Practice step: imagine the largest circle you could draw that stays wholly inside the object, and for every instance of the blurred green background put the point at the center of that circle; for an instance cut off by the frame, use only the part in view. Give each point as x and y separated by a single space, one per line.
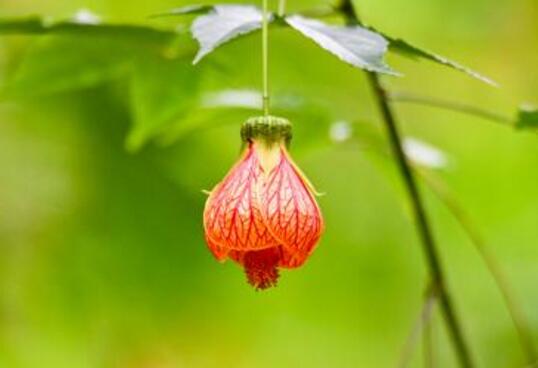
102 257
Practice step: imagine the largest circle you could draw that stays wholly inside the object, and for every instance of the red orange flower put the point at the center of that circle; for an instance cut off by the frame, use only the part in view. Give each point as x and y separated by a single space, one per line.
263 215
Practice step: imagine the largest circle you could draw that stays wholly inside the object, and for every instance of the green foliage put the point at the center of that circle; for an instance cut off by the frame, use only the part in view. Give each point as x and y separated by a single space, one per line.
405 48
358 46
353 44
21 25
38 25
103 262
228 107
62 63
185 10
162 90
164 97
222 24
527 118
75 55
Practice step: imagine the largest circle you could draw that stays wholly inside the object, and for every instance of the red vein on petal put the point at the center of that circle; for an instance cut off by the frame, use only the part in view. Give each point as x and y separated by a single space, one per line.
233 209
295 218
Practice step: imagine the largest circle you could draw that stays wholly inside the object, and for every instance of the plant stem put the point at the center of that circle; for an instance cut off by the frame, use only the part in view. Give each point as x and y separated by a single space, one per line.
265 57
281 8
428 341
423 226
450 105
516 313
428 242
419 327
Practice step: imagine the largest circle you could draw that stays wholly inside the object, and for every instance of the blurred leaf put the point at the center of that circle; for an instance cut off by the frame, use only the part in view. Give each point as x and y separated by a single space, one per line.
204 118
221 107
252 99
21 25
310 119
185 10
57 64
527 117
37 25
355 45
222 24
234 98
140 35
404 48
77 54
161 90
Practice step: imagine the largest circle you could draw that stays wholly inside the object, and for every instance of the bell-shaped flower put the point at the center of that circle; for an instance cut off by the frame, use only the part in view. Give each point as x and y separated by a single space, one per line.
263 215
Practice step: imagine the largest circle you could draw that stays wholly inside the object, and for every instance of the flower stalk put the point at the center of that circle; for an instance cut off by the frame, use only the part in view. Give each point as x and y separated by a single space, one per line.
281 8
265 57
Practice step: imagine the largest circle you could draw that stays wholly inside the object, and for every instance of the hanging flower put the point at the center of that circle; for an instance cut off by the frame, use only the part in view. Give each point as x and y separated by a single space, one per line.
263 215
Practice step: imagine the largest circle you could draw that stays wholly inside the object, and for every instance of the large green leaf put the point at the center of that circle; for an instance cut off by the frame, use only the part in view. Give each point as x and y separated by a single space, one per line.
311 120
222 24
60 63
162 90
21 25
78 53
37 25
354 45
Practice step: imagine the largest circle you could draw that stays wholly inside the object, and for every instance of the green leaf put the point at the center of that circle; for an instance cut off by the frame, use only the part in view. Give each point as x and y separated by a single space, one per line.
21 25
310 119
203 118
75 54
37 25
139 35
406 49
185 10
354 45
162 90
57 64
221 107
222 24
527 117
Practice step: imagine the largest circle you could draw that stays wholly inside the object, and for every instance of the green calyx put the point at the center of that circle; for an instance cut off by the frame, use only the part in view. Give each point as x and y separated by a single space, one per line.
268 129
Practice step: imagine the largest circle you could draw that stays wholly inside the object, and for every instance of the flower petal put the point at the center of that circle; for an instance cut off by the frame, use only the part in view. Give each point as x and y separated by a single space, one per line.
291 212
293 258
219 252
233 216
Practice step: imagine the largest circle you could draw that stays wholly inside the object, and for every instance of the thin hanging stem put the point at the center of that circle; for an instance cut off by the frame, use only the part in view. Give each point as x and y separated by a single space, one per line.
428 242
281 8
265 57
